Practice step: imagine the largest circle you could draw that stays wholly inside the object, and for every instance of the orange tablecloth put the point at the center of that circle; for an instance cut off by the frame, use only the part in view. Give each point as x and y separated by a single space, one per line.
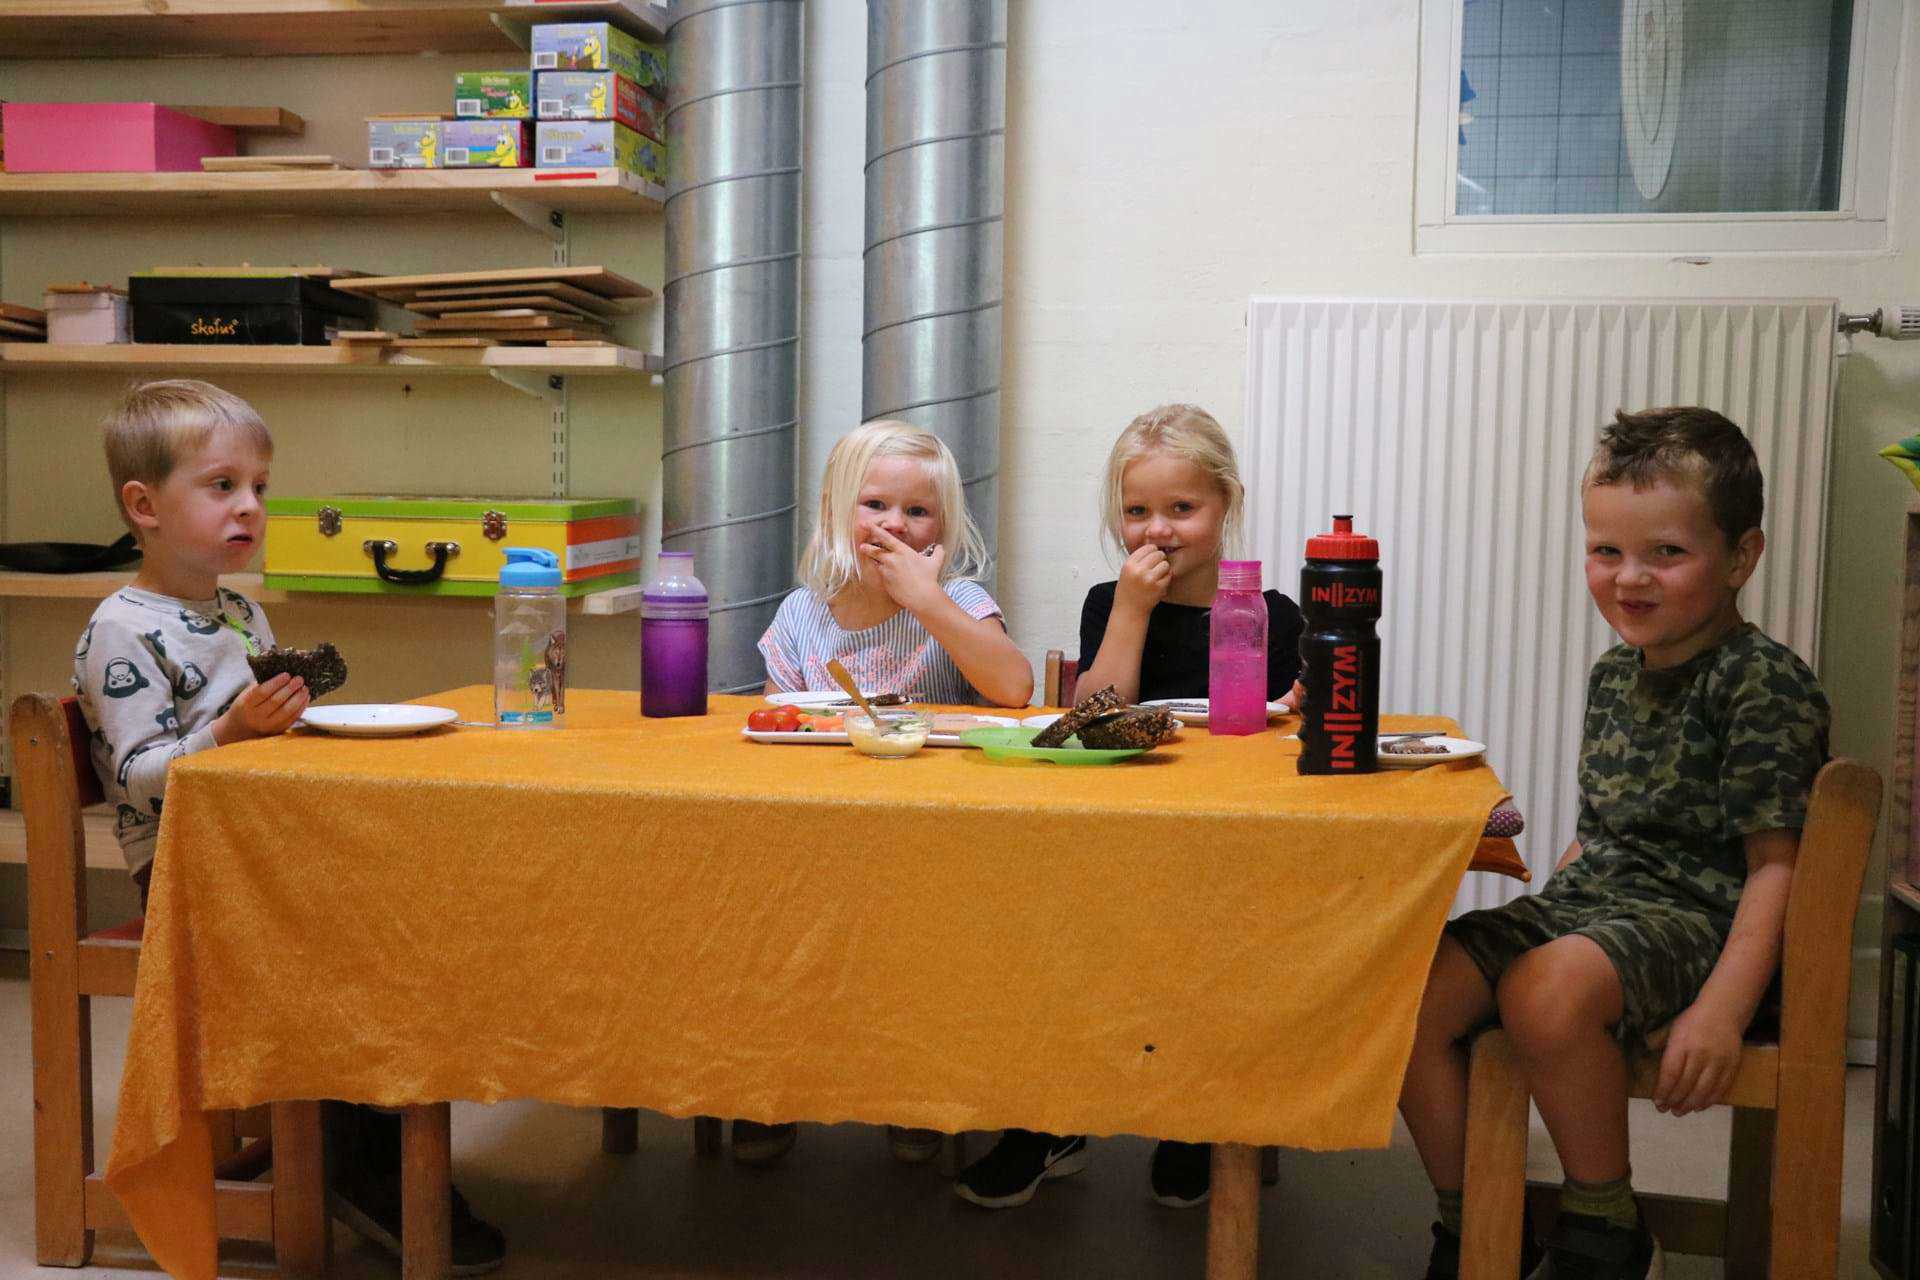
1200 944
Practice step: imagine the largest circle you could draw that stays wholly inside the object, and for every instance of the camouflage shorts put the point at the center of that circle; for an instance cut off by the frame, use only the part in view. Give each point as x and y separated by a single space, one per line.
1662 953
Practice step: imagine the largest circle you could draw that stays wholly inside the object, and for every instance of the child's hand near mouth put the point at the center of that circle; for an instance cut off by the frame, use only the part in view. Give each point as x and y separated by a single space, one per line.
1144 580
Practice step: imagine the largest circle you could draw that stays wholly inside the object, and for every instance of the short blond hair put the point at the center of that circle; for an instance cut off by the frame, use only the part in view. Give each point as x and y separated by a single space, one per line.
156 424
1187 432
831 562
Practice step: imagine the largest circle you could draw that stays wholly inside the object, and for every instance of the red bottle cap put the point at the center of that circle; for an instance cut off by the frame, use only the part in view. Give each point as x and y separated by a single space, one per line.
1342 544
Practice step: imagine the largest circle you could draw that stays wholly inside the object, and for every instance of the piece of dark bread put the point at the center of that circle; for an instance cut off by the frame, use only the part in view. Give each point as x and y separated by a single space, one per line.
323 668
1135 727
1103 702
1413 747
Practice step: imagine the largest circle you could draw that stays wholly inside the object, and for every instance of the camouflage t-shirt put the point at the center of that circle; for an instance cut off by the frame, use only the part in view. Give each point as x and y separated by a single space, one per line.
1677 765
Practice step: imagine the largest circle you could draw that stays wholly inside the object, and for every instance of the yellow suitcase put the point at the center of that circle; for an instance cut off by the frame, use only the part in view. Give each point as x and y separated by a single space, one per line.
407 545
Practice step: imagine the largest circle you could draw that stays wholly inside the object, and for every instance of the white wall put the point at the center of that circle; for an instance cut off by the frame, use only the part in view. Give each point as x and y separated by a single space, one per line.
1166 161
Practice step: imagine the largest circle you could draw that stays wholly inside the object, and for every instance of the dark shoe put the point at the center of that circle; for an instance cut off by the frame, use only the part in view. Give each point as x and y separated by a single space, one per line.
762 1144
1181 1174
913 1146
1007 1176
372 1209
1444 1262
1589 1248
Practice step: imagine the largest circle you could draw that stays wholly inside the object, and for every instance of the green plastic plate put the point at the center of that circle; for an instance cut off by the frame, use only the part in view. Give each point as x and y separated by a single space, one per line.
1013 744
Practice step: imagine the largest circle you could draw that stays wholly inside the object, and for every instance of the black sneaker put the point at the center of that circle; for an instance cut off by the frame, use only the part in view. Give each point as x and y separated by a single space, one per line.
1589 1248
762 1144
372 1209
1181 1174
1007 1176
1444 1262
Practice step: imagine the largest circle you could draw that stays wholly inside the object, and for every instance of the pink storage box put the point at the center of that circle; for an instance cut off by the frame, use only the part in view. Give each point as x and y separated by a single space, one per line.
107 137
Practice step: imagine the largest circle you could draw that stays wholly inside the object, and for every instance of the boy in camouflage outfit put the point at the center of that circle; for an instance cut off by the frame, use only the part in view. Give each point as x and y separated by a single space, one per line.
1701 741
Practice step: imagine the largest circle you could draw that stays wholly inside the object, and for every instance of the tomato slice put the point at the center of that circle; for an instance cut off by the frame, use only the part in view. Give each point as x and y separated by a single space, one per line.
765 720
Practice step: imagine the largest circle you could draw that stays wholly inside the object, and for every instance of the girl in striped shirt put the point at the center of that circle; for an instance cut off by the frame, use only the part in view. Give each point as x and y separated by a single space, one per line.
886 589
886 583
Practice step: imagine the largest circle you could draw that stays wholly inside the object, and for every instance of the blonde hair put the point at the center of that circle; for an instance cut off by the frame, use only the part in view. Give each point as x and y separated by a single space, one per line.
1183 431
831 562
157 424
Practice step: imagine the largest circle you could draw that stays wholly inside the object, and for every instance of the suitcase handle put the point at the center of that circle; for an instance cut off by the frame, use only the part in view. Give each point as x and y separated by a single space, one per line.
381 548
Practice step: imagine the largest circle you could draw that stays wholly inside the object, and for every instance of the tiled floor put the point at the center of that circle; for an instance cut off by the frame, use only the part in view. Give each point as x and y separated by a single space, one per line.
840 1206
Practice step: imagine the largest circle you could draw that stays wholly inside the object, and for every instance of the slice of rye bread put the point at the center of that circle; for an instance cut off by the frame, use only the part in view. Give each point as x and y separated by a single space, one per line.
1141 728
323 669
1103 702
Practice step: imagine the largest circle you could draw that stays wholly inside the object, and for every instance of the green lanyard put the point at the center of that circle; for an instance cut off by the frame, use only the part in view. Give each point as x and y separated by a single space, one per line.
253 646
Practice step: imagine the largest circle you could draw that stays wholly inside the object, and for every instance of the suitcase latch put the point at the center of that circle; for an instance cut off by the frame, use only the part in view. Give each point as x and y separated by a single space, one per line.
329 518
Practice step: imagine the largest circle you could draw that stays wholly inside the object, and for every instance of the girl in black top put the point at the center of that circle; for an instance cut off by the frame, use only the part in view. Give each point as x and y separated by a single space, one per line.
1173 498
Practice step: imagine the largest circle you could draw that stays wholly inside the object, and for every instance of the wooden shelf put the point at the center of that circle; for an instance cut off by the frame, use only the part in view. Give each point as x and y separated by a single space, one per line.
269 28
18 358
1905 894
605 604
103 848
97 586
333 192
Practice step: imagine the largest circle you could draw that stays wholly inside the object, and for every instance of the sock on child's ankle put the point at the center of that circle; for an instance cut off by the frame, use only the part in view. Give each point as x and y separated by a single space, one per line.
1610 1200
1449 1202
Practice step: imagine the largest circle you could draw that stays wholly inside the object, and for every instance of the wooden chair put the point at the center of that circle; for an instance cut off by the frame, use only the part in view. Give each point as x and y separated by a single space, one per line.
1789 1097
53 781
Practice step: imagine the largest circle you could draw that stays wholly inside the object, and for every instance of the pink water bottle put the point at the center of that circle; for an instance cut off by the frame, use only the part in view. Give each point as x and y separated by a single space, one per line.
1237 652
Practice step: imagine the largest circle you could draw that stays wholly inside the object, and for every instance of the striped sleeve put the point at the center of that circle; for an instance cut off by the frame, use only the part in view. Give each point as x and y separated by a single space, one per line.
973 598
780 647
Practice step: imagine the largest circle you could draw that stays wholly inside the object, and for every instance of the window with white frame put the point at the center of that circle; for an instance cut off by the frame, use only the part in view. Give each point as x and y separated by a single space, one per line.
1691 126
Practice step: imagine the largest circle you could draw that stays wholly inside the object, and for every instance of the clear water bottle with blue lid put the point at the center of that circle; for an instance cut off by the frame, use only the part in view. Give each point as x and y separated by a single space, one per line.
530 641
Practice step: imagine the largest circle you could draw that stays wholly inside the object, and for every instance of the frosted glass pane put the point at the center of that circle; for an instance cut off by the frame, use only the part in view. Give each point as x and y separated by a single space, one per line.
1672 106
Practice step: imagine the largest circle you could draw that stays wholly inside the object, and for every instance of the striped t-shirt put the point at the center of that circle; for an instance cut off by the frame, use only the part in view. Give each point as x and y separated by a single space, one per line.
897 656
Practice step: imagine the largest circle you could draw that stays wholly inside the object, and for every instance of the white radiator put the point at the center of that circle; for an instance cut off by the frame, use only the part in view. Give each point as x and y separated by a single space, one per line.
1456 432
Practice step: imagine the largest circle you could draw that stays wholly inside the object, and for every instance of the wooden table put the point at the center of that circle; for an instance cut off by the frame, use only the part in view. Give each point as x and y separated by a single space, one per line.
661 914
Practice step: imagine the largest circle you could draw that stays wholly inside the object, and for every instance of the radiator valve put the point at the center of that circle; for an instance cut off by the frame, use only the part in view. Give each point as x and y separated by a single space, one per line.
1897 320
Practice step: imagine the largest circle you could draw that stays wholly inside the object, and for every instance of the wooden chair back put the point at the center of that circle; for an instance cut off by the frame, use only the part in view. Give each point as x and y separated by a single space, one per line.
53 780
1782 1212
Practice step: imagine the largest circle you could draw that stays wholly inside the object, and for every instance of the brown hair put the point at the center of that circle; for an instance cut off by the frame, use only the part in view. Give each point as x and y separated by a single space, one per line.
157 424
1685 443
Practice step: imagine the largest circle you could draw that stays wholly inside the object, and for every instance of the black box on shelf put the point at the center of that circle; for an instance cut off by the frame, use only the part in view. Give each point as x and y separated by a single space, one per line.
243 310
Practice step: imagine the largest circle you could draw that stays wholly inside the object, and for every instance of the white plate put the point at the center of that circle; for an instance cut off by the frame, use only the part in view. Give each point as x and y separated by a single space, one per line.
1041 722
377 719
1194 710
814 699
838 738
1457 749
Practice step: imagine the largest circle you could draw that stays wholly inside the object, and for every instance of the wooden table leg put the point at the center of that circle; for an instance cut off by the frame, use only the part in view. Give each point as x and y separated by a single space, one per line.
953 1155
300 1218
1233 1213
426 1192
1495 1186
619 1130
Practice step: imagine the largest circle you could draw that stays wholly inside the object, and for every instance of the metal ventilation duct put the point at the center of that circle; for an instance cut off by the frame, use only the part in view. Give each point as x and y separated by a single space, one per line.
936 123
732 299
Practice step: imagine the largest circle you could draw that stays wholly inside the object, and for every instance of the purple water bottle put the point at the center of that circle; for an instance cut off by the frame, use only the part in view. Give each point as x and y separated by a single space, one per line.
673 640
1237 652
